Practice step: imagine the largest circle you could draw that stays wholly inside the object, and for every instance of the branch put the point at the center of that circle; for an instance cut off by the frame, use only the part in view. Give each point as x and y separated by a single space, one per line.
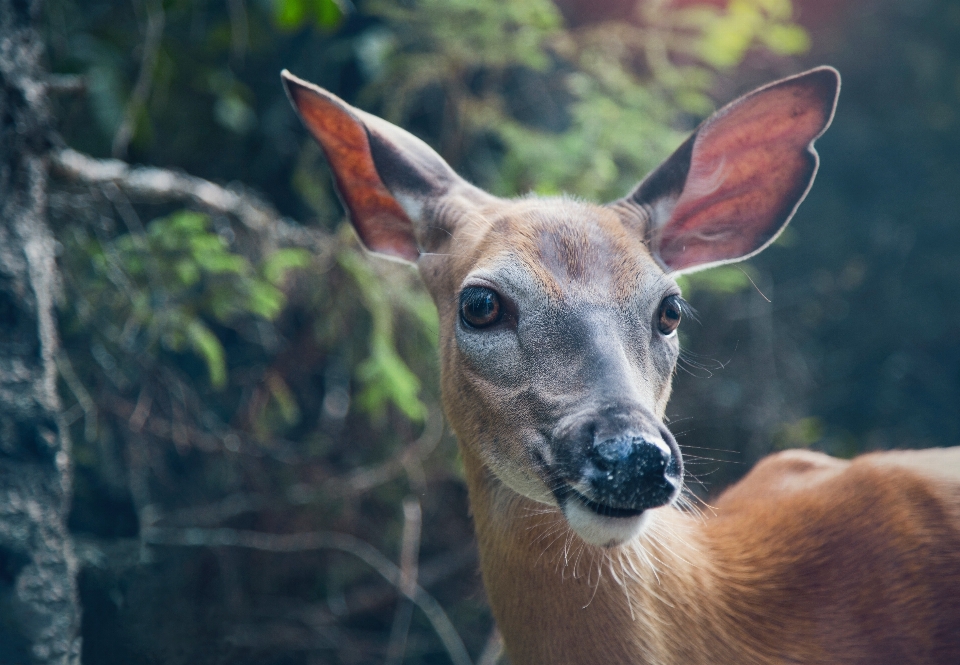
409 557
493 650
151 49
65 84
435 570
151 183
80 393
320 540
239 29
366 478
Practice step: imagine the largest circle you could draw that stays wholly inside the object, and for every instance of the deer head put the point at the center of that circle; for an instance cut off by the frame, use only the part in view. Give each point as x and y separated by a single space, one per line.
558 316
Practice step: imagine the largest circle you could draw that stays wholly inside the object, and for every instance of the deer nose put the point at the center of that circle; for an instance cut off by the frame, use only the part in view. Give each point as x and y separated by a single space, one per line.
631 472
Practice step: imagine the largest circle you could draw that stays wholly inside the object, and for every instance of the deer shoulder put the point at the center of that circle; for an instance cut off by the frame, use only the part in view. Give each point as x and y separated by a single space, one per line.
859 559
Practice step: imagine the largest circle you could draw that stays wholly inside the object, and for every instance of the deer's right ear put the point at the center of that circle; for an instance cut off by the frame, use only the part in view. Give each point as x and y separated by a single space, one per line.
389 180
729 189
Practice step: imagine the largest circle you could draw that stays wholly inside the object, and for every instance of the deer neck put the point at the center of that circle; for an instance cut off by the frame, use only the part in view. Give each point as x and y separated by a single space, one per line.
558 600
662 600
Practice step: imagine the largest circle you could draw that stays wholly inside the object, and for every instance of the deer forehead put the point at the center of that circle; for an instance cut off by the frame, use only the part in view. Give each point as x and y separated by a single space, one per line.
563 250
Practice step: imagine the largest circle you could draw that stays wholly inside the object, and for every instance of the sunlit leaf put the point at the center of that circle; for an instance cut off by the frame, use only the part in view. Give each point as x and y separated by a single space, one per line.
276 266
289 14
206 344
722 279
188 271
329 13
265 299
787 39
385 376
284 397
387 379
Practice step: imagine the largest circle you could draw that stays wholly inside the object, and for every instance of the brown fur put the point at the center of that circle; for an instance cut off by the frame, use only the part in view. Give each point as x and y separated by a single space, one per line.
807 560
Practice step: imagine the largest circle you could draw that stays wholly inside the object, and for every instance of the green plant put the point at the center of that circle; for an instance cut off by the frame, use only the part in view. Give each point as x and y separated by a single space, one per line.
161 288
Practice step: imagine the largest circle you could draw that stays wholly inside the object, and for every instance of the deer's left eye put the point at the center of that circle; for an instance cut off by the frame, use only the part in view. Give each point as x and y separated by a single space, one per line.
668 318
480 307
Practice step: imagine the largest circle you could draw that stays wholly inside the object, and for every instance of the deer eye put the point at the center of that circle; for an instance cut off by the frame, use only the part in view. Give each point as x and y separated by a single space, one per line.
668 317
479 307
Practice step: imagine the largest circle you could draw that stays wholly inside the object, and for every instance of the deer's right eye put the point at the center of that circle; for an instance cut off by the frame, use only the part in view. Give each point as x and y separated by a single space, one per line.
668 317
479 307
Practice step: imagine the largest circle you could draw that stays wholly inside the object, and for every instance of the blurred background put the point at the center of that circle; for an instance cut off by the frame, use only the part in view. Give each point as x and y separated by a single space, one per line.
258 443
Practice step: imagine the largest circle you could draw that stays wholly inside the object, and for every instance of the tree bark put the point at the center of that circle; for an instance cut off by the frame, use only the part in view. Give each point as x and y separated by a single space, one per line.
39 614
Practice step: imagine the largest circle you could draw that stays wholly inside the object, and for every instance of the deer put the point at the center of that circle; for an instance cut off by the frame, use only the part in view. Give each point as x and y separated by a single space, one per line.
558 345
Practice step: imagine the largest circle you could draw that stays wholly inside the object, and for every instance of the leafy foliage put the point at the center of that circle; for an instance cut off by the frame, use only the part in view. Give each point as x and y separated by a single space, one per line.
294 14
146 291
239 384
385 377
615 88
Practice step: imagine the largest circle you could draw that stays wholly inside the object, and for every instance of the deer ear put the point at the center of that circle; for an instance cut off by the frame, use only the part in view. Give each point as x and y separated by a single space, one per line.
388 179
733 185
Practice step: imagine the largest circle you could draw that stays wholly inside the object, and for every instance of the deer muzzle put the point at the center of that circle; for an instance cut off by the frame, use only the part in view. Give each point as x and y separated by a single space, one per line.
608 470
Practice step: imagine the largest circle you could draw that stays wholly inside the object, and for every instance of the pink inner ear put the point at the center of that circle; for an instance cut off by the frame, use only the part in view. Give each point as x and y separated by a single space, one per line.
381 223
751 165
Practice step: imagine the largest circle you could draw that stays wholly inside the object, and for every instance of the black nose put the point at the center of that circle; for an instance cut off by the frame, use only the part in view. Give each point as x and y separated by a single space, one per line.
629 472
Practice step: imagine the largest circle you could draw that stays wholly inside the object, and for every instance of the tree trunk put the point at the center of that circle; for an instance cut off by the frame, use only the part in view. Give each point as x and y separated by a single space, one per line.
39 615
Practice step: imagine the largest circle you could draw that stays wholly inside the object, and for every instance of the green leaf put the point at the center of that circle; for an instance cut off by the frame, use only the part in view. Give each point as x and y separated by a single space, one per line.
276 266
224 303
722 279
285 399
265 299
187 271
206 344
289 14
187 222
384 374
388 379
787 39
329 13
221 262
801 433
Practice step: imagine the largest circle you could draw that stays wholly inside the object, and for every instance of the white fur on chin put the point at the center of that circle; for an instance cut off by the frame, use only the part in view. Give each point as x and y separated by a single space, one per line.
603 531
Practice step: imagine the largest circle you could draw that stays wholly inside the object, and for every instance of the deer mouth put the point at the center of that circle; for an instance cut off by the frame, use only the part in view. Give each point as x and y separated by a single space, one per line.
601 509
599 523
566 493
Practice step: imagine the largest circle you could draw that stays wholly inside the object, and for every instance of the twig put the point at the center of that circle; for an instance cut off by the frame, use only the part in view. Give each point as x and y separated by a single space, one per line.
215 513
132 221
319 540
409 556
148 63
365 478
159 427
434 571
493 649
65 84
80 393
239 30
156 184
364 599
141 411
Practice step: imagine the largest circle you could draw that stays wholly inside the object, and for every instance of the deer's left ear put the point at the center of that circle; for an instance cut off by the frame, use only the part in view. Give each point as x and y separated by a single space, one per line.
733 185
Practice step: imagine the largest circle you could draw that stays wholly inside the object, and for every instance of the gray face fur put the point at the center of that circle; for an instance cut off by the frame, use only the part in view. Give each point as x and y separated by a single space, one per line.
576 367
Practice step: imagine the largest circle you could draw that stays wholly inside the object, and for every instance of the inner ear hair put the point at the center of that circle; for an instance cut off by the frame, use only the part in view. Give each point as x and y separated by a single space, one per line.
733 185
391 183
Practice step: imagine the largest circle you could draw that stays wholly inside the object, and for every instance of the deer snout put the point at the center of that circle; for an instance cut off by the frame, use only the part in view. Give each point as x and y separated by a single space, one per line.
628 474
605 479
615 464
